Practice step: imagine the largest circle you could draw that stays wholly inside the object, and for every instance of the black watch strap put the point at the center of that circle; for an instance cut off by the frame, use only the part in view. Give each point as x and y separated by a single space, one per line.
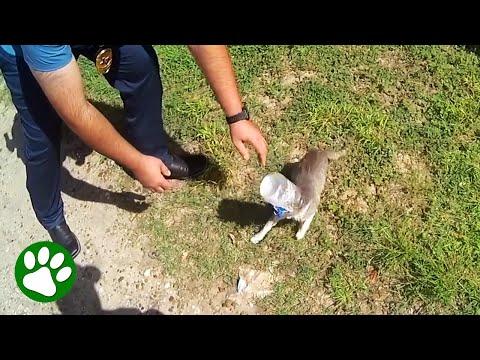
243 115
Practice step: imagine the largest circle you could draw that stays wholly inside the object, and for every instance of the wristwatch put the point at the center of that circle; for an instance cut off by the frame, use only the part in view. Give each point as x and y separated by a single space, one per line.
243 115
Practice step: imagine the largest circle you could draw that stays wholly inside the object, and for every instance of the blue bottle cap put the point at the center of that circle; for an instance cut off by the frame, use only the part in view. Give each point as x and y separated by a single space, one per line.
279 211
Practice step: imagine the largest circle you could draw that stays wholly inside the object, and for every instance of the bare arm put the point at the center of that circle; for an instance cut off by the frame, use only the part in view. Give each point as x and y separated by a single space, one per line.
215 63
64 90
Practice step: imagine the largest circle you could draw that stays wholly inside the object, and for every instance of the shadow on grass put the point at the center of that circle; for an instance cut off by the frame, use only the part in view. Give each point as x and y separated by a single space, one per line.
74 148
116 114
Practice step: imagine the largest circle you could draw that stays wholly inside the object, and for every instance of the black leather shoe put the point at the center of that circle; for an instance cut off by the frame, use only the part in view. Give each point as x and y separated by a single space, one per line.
185 167
61 234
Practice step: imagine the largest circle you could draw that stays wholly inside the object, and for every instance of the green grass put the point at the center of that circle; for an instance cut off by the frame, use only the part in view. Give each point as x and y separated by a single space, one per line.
421 230
409 117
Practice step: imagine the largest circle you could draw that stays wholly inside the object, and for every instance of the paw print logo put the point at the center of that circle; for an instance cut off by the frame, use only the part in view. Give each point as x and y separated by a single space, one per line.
45 271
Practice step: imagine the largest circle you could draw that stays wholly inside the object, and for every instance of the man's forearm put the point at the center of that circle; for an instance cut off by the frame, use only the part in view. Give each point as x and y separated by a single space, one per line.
97 132
215 63
64 89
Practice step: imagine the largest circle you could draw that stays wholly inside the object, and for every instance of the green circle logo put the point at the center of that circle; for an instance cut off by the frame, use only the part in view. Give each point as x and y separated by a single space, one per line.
45 271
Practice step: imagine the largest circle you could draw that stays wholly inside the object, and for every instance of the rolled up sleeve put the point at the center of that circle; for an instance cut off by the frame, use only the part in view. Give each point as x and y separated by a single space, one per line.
46 58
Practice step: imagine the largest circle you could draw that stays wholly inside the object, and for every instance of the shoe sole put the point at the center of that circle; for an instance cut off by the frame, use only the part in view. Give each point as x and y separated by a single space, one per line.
75 254
79 248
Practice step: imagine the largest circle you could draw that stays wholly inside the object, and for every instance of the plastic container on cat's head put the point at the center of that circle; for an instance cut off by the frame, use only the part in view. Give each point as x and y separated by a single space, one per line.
280 192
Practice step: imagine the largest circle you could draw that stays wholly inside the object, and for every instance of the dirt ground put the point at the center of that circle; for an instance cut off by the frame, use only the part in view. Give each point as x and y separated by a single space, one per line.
116 272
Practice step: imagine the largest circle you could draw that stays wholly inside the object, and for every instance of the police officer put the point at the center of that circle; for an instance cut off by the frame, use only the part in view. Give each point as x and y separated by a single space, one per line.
46 88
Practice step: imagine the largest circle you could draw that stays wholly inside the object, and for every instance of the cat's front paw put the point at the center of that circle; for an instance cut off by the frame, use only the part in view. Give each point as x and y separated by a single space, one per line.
300 235
256 238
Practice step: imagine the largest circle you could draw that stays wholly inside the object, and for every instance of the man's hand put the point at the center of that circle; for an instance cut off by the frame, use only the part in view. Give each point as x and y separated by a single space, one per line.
64 89
215 62
151 172
245 131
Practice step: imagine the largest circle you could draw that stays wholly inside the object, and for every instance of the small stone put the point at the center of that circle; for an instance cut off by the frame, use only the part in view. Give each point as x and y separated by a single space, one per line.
147 273
372 190
154 254
228 303
171 298
242 285
372 273
362 206
348 194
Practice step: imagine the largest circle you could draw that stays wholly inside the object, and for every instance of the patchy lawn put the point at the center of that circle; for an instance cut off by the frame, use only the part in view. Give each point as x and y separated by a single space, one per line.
398 230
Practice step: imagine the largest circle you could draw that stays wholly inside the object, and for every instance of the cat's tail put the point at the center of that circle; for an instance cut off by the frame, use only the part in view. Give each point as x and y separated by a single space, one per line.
335 155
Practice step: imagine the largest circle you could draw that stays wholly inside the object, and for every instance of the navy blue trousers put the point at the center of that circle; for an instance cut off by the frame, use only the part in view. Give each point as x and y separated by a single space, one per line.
134 73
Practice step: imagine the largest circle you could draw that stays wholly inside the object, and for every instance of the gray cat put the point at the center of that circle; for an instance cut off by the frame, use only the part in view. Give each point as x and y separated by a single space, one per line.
309 175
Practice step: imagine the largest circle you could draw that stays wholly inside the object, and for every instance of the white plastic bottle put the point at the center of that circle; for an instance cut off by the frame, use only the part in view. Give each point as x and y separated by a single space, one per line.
280 192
